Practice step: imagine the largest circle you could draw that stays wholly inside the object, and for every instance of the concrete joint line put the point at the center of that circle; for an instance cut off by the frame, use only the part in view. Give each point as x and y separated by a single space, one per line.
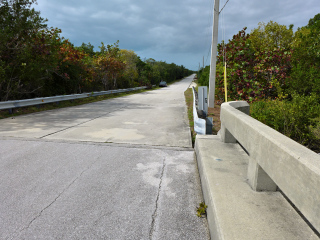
59 195
78 124
155 213
109 144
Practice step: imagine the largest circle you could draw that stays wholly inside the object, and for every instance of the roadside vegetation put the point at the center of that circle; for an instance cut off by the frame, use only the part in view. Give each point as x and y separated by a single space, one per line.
189 101
35 61
277 71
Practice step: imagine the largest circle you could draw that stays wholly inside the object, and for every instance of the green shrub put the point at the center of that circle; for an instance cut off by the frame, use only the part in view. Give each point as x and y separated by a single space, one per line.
203 79
298 118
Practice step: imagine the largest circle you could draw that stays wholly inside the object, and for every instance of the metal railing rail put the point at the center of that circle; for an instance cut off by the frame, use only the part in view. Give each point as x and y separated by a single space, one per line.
37 101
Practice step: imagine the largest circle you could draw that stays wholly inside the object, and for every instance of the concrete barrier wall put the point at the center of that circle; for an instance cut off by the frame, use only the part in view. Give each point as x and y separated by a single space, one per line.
275 160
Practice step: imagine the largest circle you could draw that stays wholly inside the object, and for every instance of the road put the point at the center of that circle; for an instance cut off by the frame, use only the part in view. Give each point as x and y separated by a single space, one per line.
122 168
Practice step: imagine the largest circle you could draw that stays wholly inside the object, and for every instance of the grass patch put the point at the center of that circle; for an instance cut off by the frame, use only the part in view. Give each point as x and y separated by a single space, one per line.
189 101
64 104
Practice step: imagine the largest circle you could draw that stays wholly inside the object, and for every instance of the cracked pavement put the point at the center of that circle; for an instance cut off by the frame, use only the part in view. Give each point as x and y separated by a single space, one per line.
154 215
117 169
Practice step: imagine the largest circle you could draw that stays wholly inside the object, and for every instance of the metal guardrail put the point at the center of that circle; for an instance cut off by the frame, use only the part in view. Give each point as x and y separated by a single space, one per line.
202 123
37 101
199 124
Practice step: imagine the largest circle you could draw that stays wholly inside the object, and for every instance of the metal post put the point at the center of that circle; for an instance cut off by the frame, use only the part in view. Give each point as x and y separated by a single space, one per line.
212 76
203 62
203 99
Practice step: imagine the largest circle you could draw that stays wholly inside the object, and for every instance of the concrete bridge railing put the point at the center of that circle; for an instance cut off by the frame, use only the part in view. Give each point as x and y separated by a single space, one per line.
275 161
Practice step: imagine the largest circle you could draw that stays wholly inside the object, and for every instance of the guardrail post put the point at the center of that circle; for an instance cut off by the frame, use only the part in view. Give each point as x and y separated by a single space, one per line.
203 99
209 125
10 110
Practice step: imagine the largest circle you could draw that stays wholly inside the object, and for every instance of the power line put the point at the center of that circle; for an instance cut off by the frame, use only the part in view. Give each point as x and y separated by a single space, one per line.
223 6
223 29
208 55
222 24
207 39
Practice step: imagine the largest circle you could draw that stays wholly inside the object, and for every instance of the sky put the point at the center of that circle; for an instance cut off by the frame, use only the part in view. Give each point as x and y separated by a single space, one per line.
174 31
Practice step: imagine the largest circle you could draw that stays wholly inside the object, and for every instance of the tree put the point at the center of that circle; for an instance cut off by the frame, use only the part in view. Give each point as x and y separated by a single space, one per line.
253 73
71 72
271 35
240 60
87 48
35 61
203 77
314 22
20 25
130 59
109 65
306 59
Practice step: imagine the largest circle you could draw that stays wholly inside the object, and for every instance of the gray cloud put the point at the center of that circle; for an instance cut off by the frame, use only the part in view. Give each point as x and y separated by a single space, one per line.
173 31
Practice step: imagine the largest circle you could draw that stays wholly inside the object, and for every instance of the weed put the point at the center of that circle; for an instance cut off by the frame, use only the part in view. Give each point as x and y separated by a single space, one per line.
202 210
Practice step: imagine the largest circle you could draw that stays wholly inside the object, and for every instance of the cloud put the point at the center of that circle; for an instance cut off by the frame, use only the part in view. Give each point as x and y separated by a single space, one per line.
177 31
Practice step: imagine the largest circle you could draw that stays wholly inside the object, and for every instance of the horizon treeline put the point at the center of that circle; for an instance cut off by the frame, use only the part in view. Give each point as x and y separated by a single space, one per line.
35 61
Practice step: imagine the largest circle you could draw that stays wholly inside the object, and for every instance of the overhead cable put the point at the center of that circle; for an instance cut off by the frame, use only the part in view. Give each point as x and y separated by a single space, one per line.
223 6
208 33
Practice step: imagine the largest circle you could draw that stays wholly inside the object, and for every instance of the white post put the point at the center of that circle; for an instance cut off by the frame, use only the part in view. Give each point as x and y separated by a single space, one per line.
203 99
212 76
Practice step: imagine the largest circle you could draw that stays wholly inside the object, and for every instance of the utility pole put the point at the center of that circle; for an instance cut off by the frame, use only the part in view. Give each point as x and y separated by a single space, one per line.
212 76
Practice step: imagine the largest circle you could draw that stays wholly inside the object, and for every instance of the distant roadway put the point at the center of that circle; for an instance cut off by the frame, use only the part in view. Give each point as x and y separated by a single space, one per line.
122 168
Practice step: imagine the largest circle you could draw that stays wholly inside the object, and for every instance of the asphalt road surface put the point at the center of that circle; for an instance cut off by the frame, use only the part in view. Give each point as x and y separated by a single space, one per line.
117 169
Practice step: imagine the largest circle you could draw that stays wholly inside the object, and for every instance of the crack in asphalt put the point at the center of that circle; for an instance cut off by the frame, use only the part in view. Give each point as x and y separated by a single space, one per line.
155 213
59 195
